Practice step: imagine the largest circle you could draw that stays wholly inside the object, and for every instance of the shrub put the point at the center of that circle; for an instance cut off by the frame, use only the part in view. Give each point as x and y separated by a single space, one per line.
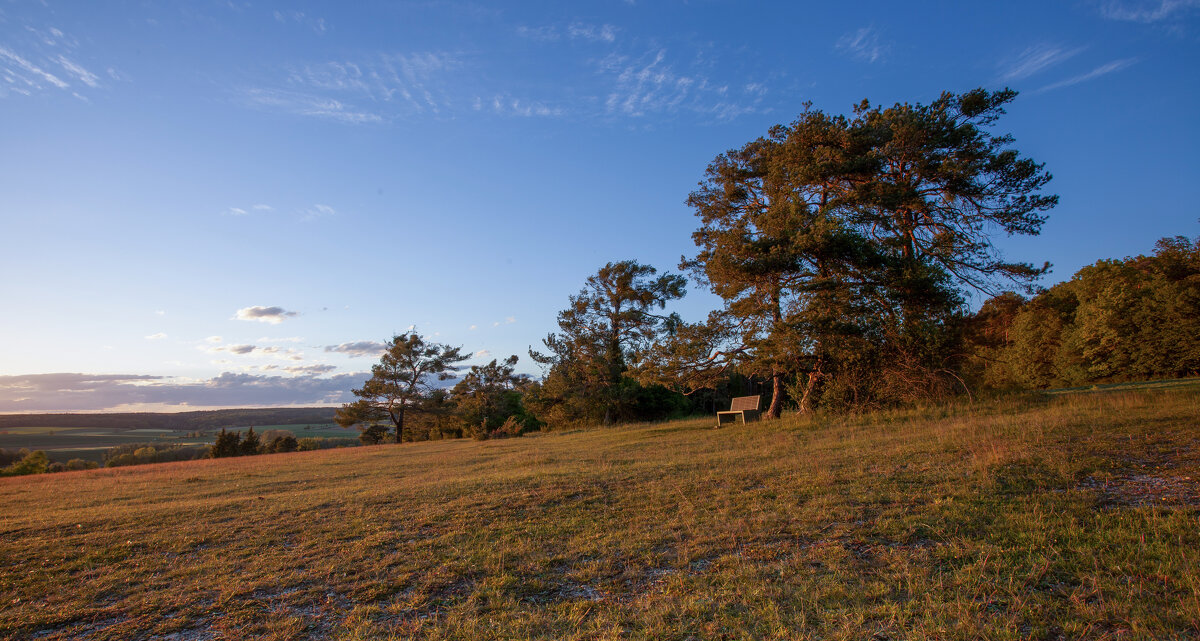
286 443
35 462
146 454
80 464
269 436
307 444
121 460
373 435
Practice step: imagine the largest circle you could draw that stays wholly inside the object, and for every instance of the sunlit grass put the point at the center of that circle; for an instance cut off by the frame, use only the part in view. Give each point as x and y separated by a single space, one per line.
1030 517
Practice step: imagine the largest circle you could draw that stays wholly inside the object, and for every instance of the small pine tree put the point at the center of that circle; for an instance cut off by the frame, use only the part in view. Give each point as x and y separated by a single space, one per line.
250 444
227 444
373 434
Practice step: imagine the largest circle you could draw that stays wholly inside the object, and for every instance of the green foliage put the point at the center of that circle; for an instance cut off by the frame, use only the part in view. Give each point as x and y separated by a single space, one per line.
489 398
35 462
373 434
142 453
227 444
282 443
81 464
1115 320
607 330
841 247
250 444
8 457
402 383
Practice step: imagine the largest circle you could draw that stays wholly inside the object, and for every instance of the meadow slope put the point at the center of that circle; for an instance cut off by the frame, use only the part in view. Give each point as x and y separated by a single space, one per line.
1028 518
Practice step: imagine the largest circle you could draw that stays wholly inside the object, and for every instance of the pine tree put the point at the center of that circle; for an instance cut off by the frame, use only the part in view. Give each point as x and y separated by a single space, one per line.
401 382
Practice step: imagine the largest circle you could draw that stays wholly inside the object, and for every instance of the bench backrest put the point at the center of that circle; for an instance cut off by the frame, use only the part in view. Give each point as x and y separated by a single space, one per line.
744 403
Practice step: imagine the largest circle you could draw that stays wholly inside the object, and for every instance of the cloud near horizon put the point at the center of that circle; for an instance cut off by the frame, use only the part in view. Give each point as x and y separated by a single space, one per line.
64 392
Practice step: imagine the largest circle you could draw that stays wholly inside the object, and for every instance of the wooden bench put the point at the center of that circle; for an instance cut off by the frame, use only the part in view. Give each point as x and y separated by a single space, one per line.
743 407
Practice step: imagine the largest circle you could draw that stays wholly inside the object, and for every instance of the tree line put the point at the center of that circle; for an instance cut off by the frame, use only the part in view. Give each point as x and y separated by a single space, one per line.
844 249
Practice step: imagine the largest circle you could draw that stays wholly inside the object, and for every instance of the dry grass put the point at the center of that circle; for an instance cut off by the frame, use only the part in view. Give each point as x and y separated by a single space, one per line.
1075 517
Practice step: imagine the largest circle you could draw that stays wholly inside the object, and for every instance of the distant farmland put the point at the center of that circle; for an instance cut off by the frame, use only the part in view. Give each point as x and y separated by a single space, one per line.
64 443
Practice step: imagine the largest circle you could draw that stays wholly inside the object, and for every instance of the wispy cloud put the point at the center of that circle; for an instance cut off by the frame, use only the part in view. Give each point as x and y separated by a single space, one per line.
1146 11
272 315
650 84
863 44
510 106
302 104
156 337
357 348
372 90
17 64
573 31
1033 60
483 353
36 60
595 33
545 33
318 25
86 77
317 211
1102 70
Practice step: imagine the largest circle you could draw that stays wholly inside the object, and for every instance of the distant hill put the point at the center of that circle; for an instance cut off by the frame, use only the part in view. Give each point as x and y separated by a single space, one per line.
205 420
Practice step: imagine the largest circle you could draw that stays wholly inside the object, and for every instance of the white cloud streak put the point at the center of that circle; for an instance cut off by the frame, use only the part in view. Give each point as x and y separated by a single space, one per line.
1102 70
38 72
863 44
303 104
1145 11
1033 60
651 85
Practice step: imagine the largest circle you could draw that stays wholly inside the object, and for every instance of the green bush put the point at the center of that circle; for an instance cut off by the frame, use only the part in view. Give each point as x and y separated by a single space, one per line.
34 463
286 443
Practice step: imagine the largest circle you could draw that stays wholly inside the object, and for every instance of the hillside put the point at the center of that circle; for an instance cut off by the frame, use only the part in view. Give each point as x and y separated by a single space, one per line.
1067 517
200 420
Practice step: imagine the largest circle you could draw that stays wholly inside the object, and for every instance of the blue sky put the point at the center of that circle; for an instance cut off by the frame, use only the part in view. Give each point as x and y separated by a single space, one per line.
210 204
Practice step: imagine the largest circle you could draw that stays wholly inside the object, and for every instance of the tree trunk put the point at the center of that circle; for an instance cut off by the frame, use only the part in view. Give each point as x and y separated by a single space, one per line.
776 395
806 399
400 425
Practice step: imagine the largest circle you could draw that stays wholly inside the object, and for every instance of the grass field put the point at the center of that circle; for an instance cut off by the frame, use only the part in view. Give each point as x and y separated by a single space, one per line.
1068 517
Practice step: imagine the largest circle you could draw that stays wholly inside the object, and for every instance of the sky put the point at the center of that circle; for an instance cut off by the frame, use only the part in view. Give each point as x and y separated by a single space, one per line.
215 204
